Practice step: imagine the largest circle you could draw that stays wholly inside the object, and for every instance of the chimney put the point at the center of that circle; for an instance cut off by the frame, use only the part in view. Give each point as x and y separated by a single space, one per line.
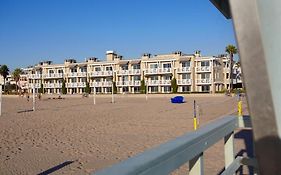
110 55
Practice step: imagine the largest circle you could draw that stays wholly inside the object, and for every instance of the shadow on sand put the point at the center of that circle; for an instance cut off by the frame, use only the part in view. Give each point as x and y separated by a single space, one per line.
56 168
27 110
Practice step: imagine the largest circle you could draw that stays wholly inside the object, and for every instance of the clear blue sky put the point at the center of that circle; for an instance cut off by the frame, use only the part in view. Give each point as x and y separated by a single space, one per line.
36 30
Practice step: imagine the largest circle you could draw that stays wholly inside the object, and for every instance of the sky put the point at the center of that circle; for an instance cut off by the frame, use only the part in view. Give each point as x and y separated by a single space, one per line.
37 30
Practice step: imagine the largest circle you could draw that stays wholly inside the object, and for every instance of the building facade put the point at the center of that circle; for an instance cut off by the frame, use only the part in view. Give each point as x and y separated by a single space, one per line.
192 72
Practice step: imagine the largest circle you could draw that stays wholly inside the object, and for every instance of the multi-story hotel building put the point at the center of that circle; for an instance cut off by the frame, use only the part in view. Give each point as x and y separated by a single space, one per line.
193 73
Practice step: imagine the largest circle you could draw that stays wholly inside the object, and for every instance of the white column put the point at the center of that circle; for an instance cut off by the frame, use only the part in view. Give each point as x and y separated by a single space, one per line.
94 94
33 97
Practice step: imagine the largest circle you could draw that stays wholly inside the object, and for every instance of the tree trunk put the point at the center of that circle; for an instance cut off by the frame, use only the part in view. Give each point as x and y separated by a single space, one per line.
231 70
4 85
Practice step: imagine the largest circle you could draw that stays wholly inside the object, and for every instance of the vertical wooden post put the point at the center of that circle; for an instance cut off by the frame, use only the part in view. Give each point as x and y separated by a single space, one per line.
146 94
33 97
196 165
229 149
94 94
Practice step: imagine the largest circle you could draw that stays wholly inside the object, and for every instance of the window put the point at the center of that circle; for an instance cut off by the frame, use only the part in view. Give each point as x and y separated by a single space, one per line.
108 68
154 77
167 88
205 63
97 68
185 88
125 78
51 71
227 75
73 80
167 65
185 64
83 69
124 67
153 66
73 70
137 78
205 76
60 71
154 89
136 66
205 88
167 77
185 76
83 80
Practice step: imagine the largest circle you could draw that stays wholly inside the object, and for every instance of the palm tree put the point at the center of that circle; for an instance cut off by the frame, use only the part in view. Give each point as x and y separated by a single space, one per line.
16 75
231 50
4 71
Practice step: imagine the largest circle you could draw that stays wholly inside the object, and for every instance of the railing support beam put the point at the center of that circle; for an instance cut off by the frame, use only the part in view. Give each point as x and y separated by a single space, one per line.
196 165
229 149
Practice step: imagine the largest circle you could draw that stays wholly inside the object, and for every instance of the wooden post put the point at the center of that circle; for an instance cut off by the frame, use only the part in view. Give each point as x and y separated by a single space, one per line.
229 149
194 116
94 94
146 94
33 97
196 165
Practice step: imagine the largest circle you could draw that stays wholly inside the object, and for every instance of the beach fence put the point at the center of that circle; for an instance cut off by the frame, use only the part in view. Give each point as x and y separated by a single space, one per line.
169 156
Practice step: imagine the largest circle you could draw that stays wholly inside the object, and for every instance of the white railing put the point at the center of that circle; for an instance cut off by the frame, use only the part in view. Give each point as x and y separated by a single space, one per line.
72 85
190 147
77 74
184 82
153 82
184 69
203 69
101 84
134 71
54 75
165 70
204 81
52 85
34 76
37 85
101 73
165 82
123 72
128 83
158 71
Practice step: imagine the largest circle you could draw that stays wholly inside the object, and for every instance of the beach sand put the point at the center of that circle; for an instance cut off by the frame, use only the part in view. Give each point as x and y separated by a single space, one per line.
74 136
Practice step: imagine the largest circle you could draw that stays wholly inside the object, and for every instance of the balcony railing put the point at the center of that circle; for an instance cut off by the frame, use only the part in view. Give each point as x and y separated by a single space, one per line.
129 72
158 71
52 85
76 84
128 83
203 69
37 85
204 81
77 74
165 82
190 147
184 69
101 84
34 76
184 82
101 73
54 75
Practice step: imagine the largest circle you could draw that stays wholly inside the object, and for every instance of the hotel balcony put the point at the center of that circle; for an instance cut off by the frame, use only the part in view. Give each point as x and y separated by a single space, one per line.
184 82
203 69
76 84
128 83
52 85
101 84
184 70
37 85
204 81
77 74
54 75
159 71
34 76
129 72
101 74
159 82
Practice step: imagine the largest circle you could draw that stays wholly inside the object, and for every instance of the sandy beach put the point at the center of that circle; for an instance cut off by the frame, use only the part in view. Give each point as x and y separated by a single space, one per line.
74 136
